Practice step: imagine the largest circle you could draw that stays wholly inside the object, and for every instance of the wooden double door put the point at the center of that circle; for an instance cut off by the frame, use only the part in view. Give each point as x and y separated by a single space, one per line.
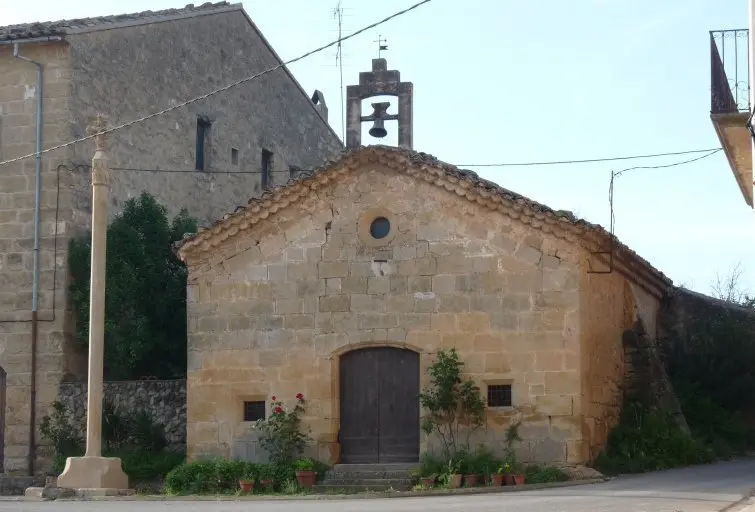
379 406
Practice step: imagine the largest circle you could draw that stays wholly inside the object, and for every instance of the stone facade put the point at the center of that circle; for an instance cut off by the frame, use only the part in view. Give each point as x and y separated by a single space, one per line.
139 65
279 292
164 400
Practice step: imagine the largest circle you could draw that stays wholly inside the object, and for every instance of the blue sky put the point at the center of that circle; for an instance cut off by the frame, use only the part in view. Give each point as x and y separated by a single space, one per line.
505 81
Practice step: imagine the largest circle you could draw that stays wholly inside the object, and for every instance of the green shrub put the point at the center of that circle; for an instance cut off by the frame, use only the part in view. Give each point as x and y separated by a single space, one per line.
147 466
221 476
649 440
537 475
304 465
431 465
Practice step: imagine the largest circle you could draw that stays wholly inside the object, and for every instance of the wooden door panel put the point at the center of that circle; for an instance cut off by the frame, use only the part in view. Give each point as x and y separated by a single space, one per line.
359 407
399 406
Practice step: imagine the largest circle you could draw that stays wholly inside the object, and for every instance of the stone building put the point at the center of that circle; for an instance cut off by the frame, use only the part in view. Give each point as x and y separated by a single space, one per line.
342 285
126 67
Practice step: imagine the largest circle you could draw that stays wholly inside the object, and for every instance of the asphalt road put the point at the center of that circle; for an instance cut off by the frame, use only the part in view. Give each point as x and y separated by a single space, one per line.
697 489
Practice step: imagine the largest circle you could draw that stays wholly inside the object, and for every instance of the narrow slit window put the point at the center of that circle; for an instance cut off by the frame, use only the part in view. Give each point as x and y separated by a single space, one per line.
499 395
267 166
254 411
234 156
203 131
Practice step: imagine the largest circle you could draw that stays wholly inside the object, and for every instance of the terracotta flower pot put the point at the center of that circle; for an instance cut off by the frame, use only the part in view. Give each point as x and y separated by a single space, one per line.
519 479
508 479
267 483
247 486
455 482
427 482
496 480
472 480
306 479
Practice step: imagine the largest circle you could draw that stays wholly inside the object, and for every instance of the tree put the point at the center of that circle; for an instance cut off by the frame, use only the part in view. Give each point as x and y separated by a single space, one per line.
452 403
145 292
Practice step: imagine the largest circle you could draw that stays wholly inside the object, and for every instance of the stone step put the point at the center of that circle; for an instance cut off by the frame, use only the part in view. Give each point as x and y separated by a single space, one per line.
365 475
383 482
403 466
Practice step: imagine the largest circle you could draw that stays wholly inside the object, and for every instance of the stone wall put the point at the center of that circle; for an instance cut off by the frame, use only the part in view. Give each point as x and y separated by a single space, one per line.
164 400
149 67
272 310
18 87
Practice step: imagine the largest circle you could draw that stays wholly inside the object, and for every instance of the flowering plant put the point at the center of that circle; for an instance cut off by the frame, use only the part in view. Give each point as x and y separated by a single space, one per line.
281 434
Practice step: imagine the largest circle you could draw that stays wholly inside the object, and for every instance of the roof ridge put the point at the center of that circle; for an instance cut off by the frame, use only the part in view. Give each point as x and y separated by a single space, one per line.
36 29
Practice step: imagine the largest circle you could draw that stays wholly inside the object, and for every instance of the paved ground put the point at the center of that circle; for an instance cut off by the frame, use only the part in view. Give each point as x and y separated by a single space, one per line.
698 489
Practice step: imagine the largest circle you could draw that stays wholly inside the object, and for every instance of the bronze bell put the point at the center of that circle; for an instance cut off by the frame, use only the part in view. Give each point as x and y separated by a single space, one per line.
378 127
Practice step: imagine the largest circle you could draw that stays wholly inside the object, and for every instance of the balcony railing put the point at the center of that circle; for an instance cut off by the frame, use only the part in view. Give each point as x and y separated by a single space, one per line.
730 71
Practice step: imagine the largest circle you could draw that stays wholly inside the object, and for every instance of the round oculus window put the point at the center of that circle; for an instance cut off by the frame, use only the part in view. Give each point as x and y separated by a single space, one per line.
380 228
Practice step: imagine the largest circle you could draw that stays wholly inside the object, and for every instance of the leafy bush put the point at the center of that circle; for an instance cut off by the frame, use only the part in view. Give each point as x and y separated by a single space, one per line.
537 475
137 440
221 476
452 403
281 434
304 465
145 309
649 440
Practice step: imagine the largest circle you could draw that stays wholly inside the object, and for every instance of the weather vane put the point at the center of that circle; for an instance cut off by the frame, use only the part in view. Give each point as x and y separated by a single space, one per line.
381 46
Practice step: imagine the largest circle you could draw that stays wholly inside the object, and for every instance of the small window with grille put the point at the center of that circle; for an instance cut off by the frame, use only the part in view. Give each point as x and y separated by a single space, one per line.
254 411
499 395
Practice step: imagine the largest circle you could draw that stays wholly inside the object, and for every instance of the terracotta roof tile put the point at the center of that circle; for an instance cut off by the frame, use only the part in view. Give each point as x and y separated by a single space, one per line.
63 27
424 160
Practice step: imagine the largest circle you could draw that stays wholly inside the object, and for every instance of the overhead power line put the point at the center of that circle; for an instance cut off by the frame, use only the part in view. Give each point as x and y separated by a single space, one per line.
708 152
221 89
616 174
590 160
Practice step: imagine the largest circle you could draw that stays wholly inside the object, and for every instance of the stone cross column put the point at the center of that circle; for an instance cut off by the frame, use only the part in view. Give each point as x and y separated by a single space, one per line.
92 471
100 189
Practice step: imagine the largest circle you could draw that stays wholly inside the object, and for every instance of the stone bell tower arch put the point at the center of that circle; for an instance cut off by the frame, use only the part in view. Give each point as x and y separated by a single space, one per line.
379 82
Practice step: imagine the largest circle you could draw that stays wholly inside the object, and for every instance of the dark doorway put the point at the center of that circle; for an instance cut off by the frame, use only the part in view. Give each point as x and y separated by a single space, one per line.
379 406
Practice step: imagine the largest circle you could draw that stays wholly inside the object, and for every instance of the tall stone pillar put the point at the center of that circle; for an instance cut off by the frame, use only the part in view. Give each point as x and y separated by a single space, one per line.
92 471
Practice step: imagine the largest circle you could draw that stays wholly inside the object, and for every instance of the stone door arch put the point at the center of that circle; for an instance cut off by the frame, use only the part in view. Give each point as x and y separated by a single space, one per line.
379 405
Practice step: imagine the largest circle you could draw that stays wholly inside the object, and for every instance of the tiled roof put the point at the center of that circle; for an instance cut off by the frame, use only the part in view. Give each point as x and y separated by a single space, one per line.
474 186
63 27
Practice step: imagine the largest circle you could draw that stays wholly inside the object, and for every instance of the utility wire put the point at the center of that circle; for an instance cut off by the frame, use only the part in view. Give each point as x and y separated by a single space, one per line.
589 160
221 89
616 174
708 152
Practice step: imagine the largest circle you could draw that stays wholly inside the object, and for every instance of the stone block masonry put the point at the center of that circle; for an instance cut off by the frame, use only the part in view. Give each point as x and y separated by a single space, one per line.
164 400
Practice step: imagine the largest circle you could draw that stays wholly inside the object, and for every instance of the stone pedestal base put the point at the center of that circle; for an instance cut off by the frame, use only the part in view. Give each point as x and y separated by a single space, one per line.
93 473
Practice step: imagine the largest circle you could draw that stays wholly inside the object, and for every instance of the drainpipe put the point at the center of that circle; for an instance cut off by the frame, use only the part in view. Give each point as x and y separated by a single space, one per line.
35 282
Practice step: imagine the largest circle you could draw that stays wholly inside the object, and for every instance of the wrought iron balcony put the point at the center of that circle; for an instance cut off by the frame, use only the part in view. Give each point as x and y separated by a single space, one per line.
730 71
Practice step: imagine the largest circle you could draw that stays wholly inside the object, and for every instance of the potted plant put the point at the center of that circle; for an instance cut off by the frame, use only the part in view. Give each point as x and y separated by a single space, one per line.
519 476
246 483
428 481
454 474
306 475
510 463
497 478
472 472
248 479
266 477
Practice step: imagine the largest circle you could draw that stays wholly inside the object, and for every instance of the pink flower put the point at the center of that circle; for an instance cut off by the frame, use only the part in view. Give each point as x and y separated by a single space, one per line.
278 410
299 396
274 398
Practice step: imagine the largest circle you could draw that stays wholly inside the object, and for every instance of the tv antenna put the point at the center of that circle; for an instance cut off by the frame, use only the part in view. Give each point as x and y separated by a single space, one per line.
338 16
